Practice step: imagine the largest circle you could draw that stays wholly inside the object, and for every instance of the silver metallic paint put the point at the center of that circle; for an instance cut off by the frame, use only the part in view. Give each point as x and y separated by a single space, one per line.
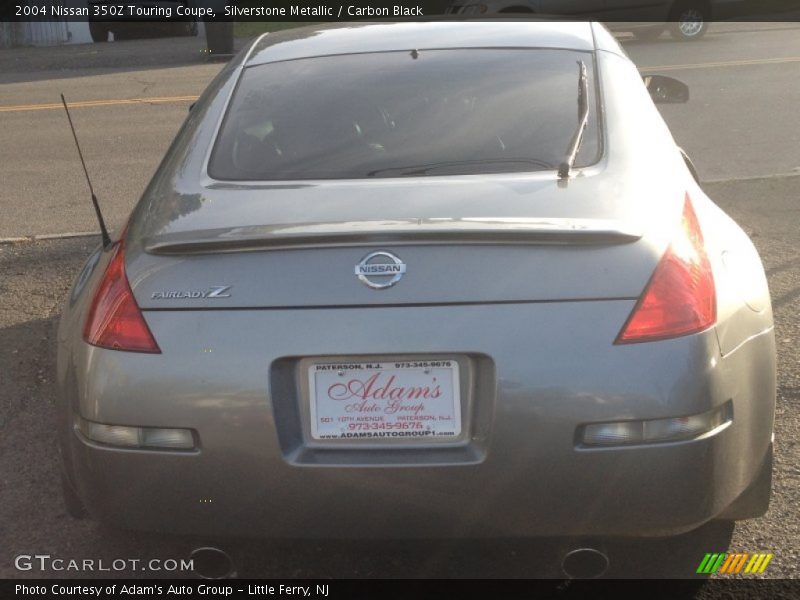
534 323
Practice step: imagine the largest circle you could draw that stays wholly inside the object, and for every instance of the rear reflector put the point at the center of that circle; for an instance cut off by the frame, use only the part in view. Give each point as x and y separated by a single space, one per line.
138 437
657 431
115 321
681 297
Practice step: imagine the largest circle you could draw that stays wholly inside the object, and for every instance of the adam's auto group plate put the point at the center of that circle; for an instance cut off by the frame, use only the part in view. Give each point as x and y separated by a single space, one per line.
382 400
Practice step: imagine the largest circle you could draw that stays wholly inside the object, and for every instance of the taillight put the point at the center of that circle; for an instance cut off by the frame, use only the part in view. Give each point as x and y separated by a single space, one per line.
680 297
114 320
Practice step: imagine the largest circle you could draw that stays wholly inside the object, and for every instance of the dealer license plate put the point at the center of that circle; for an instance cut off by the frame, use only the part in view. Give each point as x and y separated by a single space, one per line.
385 400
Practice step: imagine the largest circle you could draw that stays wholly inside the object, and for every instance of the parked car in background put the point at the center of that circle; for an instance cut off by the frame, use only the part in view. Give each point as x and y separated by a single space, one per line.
684 19
384 286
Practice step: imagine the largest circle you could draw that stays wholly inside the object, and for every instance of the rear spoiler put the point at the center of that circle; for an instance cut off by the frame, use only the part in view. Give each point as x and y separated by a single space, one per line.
394 232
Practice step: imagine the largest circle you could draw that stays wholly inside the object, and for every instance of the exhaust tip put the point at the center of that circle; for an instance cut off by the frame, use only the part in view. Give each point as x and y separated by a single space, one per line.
212 563
584 563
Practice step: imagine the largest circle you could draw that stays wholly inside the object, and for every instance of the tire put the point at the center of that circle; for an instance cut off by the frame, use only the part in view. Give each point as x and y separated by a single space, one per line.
648 33
72 502
669 558
689 20
98 31
754 501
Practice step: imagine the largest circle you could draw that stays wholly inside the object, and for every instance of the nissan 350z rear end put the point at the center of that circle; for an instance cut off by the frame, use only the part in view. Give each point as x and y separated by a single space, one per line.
422 280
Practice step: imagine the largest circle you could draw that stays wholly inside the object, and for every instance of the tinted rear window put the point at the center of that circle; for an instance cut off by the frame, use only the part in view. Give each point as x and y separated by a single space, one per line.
394 114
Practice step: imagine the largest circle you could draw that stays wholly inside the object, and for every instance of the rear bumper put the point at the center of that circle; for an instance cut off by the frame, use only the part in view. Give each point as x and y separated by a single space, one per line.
540 372
613 494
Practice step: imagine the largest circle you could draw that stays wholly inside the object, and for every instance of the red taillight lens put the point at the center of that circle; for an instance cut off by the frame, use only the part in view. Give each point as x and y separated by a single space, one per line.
681 297
114 320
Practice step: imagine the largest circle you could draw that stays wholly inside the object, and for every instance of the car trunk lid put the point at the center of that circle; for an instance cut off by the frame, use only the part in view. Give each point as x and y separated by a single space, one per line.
513 239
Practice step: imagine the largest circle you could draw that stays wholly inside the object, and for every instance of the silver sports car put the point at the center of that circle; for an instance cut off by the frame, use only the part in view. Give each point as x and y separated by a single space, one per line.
422 280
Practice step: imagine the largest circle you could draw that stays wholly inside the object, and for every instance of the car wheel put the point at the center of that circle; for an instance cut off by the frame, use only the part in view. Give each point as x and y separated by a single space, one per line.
99 32
72 502
689 20
648 33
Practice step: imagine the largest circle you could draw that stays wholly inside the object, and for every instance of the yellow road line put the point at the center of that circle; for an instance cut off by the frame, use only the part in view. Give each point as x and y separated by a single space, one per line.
729 63
169 99
94 103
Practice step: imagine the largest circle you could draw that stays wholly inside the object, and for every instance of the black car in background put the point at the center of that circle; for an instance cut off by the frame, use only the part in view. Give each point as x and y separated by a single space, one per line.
685 19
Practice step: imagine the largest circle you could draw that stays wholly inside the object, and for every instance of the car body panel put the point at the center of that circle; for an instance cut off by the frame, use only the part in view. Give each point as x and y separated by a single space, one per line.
535 400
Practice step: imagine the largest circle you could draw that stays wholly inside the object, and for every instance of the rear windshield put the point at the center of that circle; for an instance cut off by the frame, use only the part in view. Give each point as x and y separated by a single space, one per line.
405 114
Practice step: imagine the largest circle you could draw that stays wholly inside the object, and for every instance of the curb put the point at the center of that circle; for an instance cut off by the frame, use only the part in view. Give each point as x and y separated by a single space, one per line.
48 236
751 178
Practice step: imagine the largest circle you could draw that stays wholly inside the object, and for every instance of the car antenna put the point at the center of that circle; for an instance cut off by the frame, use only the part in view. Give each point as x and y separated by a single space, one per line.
103 231
583 119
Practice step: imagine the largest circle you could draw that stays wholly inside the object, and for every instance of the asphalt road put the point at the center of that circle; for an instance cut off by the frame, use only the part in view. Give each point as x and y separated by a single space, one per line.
740 122
740 127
